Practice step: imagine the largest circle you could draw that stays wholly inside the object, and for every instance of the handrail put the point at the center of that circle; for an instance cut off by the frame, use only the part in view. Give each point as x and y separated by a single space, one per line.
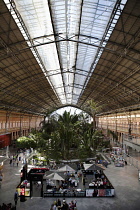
132 161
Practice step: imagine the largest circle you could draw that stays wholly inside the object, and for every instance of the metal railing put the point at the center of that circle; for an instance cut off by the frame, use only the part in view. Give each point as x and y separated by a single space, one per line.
132 161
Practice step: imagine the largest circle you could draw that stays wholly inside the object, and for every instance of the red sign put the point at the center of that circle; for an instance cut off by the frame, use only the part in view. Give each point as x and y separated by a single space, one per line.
22 191
5 140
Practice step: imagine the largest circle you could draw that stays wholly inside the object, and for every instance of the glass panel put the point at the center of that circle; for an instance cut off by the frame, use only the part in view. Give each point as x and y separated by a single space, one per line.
67 36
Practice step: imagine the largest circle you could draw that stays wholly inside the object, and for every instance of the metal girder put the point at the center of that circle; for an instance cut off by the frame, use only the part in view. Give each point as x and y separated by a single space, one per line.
123 109
31 42
118 98
77 44
127 76
110 42
49 74
123 54
25 41
129 44
21 84
59 59
19 108
101 48
17 97
20 63
70 39
116 82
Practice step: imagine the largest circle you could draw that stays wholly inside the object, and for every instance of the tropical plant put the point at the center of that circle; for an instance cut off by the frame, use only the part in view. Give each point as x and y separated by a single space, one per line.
67 126
92 108
67 137
25 142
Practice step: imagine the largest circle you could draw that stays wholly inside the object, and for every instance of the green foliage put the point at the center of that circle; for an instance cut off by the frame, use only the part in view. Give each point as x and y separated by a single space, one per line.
92 108
26 142
68 137
67 126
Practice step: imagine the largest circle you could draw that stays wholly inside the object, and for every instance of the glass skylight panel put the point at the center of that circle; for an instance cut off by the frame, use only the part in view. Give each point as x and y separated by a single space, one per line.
74 58
93 25
36 16
67 22
68 77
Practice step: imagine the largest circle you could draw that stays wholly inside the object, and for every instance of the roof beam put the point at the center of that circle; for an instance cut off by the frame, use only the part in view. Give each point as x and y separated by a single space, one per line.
58 54
13 6
110 42
77 44
126 77
123 53
70 39
16 107
13 94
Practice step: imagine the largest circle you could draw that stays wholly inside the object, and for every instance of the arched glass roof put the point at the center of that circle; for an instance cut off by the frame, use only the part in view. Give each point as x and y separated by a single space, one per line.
62 32
65 52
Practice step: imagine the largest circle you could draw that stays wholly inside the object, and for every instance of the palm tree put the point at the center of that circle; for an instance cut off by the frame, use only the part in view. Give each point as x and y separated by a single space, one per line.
49 123
67 129
92 108
55 143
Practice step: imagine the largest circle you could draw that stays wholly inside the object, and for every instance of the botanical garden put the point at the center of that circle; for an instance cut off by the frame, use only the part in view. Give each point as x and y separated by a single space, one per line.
67 136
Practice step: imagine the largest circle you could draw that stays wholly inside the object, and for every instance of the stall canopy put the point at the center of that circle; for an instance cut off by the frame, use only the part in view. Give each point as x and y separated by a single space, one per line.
92 167
54 176
66 168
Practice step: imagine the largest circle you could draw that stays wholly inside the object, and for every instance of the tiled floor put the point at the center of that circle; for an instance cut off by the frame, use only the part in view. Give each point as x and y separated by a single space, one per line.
124 179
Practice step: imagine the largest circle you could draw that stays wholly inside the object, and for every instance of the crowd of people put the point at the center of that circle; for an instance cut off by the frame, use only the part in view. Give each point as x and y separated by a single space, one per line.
58 205
14 160
19 155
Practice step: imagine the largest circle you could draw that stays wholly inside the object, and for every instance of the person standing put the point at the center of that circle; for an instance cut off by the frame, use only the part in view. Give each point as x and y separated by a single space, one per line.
75 203
72 205
13 162
16 197
17 162
1 176
65 206
10 161
58 203
54 206
1 179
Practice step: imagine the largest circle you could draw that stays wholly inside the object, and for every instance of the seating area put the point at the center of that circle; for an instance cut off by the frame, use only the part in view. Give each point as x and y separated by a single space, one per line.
73 180
98 180
81 183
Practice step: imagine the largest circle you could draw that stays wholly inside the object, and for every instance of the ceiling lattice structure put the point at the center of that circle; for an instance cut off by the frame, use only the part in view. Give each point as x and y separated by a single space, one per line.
56 53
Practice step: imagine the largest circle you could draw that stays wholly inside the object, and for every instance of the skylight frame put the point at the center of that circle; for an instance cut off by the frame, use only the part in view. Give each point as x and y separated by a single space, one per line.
60 77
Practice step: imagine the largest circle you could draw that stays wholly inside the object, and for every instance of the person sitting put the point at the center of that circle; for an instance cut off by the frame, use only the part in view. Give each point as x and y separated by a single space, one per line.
104 181
54 189
61 189
68 173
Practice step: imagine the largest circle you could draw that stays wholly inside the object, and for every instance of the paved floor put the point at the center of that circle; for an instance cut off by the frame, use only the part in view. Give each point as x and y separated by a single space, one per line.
124 179
134 154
